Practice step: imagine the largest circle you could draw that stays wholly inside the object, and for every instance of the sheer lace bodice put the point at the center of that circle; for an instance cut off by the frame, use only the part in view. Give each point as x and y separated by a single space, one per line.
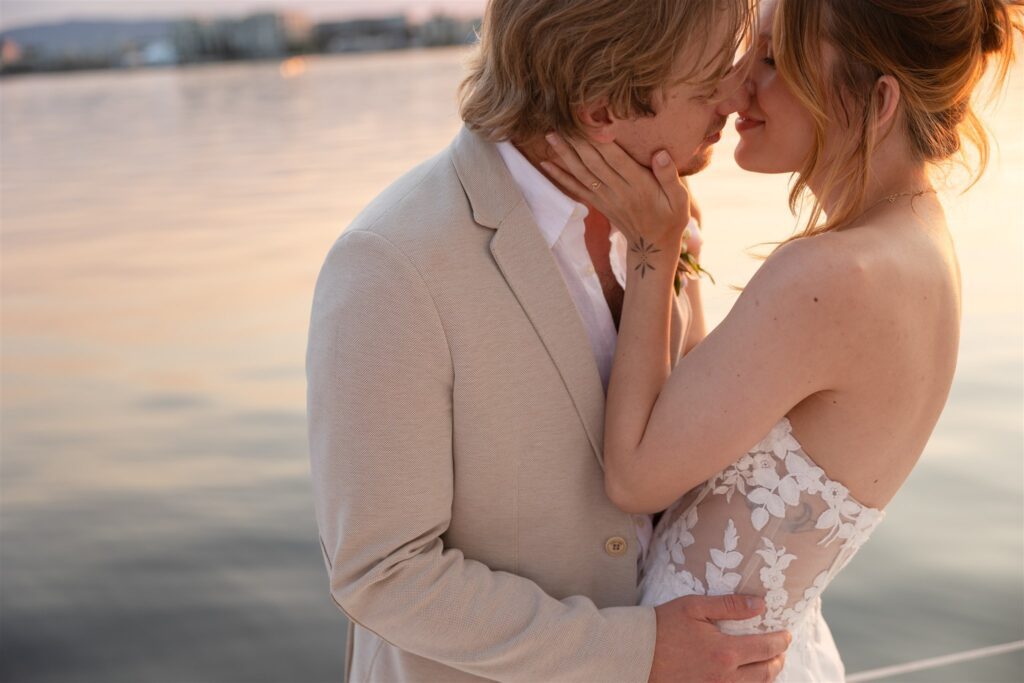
772 524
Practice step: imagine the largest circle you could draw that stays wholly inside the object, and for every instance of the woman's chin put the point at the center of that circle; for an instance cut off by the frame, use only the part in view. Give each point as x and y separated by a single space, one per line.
758 160
745 161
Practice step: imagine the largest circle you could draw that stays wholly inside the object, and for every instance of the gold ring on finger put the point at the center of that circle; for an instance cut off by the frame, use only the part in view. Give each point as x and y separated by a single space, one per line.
596 185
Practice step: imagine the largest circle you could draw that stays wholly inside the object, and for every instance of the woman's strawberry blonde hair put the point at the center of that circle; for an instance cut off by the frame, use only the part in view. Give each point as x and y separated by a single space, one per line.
937 50
539 61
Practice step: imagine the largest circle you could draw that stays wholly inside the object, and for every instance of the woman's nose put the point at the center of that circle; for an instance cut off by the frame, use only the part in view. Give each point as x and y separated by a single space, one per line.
738 92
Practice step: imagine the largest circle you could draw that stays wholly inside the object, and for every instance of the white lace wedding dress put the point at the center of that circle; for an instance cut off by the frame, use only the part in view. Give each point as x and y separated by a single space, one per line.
772 524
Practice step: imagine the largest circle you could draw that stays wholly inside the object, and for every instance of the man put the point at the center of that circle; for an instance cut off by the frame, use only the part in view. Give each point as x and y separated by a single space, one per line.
461 337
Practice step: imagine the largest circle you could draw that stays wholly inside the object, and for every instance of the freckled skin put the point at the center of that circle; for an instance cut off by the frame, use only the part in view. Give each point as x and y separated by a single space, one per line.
868 338
683 117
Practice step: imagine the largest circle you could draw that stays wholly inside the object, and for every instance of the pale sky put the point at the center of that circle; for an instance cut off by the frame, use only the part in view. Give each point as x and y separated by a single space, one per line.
15 13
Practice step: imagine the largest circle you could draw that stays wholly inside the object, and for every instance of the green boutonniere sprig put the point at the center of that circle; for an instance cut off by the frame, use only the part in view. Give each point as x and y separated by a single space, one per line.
689 267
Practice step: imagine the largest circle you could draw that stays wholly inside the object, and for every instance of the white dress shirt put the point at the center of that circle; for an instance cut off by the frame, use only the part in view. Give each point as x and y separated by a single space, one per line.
560 220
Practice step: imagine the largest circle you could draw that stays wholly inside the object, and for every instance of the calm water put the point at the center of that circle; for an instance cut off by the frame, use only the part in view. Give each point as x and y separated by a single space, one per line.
161 235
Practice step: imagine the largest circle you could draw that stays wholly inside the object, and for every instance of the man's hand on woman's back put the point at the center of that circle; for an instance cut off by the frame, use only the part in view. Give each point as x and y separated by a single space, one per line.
690 647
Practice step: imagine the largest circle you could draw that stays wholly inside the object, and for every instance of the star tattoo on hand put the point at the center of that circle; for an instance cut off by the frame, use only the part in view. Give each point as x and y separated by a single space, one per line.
645 250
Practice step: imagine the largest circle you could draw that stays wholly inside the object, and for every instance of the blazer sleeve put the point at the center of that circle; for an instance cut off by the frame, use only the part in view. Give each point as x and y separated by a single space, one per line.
379 404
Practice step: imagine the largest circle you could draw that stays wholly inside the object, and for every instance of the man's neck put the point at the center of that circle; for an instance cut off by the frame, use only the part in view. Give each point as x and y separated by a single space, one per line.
596 228
539 150
596 231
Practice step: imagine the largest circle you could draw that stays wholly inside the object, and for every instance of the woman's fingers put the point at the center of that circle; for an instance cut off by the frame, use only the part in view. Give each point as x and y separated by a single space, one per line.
597 164
567 153
599 199
631 172
569 182
607 178
668 177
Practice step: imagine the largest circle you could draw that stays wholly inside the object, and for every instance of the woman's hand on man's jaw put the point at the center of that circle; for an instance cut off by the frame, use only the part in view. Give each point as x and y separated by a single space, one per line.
648 205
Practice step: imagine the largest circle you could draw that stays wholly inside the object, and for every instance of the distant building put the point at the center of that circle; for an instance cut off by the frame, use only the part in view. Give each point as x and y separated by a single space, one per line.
298 32
82 44
259 35
10 53
266 35
364 35
444 30
156 53
196 40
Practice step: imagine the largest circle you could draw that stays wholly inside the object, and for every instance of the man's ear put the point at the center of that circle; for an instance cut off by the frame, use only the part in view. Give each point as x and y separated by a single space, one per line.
887 102
598 121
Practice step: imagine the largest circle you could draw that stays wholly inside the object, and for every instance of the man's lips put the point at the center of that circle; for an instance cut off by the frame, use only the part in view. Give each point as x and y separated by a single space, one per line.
744 123
716 136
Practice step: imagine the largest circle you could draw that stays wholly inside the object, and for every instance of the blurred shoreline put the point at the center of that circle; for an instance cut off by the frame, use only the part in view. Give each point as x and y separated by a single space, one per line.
96 44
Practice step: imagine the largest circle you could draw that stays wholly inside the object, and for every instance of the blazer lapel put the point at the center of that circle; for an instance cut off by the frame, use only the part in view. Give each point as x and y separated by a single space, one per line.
526 262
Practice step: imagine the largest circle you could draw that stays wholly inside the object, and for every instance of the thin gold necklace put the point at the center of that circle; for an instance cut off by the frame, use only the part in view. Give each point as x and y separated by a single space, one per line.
892 198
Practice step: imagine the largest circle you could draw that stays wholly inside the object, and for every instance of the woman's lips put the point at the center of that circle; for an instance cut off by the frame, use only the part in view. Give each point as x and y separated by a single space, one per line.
745 123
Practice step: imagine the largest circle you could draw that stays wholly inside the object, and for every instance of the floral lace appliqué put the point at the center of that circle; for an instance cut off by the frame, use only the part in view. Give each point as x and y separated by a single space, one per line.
720 581
776 480
665 575
759 477
773 577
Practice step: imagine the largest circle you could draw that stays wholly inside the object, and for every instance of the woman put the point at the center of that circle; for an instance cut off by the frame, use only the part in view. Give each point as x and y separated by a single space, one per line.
785 433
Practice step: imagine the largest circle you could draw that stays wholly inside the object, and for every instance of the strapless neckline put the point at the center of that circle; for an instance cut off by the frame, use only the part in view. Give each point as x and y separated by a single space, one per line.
777 475
771 524
786 427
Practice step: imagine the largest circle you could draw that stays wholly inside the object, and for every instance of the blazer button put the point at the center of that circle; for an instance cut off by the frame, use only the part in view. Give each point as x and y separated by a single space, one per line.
616 546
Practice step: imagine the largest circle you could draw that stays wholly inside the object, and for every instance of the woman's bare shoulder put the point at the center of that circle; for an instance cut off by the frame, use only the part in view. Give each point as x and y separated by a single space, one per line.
827 270
850 282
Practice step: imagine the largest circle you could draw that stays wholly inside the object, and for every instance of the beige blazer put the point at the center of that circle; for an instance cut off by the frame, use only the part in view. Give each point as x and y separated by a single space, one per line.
455 427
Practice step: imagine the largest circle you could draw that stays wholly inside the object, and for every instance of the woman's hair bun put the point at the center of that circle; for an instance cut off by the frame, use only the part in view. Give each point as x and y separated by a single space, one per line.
998 27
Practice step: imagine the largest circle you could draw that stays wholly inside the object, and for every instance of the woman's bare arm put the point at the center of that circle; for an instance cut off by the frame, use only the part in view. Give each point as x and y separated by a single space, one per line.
667 430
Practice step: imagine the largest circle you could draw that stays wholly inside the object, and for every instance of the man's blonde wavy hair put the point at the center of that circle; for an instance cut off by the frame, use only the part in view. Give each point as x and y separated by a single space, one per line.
539 62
